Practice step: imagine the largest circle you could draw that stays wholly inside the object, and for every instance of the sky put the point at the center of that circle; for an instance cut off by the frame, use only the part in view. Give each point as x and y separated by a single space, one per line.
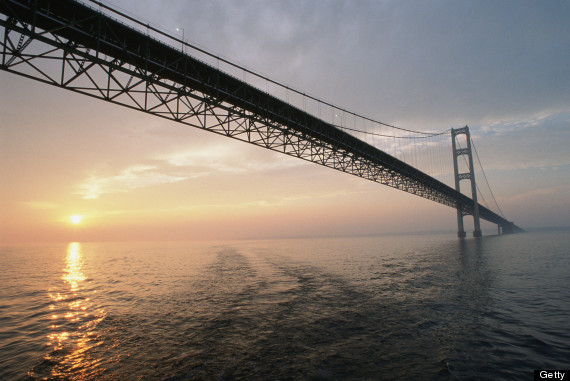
499 67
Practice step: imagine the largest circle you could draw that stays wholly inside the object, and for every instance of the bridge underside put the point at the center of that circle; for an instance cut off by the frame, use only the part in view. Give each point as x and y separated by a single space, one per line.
69 45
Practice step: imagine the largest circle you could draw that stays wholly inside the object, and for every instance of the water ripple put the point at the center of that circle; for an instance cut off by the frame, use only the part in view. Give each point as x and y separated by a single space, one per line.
378 308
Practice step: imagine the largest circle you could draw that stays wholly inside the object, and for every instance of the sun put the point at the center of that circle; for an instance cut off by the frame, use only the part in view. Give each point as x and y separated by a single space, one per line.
75 219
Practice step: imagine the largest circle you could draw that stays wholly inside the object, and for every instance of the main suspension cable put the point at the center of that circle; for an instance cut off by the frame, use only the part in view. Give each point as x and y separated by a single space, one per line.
158 30
428 134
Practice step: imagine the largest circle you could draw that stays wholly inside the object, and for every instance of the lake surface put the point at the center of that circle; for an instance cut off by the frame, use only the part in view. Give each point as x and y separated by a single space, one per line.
382 308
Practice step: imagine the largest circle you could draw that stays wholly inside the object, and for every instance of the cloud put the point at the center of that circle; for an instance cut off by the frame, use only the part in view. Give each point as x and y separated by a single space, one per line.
211 160
40 204
517 124
280 201
225 159
539 141
539 193
136 176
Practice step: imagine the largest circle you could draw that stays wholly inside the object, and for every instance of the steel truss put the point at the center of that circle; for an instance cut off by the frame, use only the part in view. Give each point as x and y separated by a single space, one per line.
69 45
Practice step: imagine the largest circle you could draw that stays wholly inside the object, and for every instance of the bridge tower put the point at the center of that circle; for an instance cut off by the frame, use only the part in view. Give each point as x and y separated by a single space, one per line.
465 176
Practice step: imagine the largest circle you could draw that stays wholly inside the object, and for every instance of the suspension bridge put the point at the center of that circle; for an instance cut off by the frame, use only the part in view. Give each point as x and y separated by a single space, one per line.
90 48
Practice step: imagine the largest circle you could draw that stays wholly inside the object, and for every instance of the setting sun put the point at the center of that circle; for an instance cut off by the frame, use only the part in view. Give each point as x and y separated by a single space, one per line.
76 218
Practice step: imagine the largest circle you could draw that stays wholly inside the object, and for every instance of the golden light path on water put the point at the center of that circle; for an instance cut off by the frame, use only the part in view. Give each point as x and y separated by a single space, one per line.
73 321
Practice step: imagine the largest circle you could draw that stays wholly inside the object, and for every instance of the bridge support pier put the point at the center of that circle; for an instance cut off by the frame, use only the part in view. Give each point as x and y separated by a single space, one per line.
465 176
460 229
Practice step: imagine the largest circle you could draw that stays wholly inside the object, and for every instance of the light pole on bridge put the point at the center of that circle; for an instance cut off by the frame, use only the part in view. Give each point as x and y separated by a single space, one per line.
183 40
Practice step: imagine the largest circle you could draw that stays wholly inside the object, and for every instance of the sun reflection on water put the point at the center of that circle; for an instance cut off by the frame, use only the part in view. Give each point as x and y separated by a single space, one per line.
74 262
73 324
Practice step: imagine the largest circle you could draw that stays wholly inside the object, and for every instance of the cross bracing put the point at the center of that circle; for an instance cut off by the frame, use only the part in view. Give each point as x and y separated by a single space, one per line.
72 46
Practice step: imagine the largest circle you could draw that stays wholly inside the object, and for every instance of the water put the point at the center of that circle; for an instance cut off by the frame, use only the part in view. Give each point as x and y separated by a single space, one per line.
419 307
